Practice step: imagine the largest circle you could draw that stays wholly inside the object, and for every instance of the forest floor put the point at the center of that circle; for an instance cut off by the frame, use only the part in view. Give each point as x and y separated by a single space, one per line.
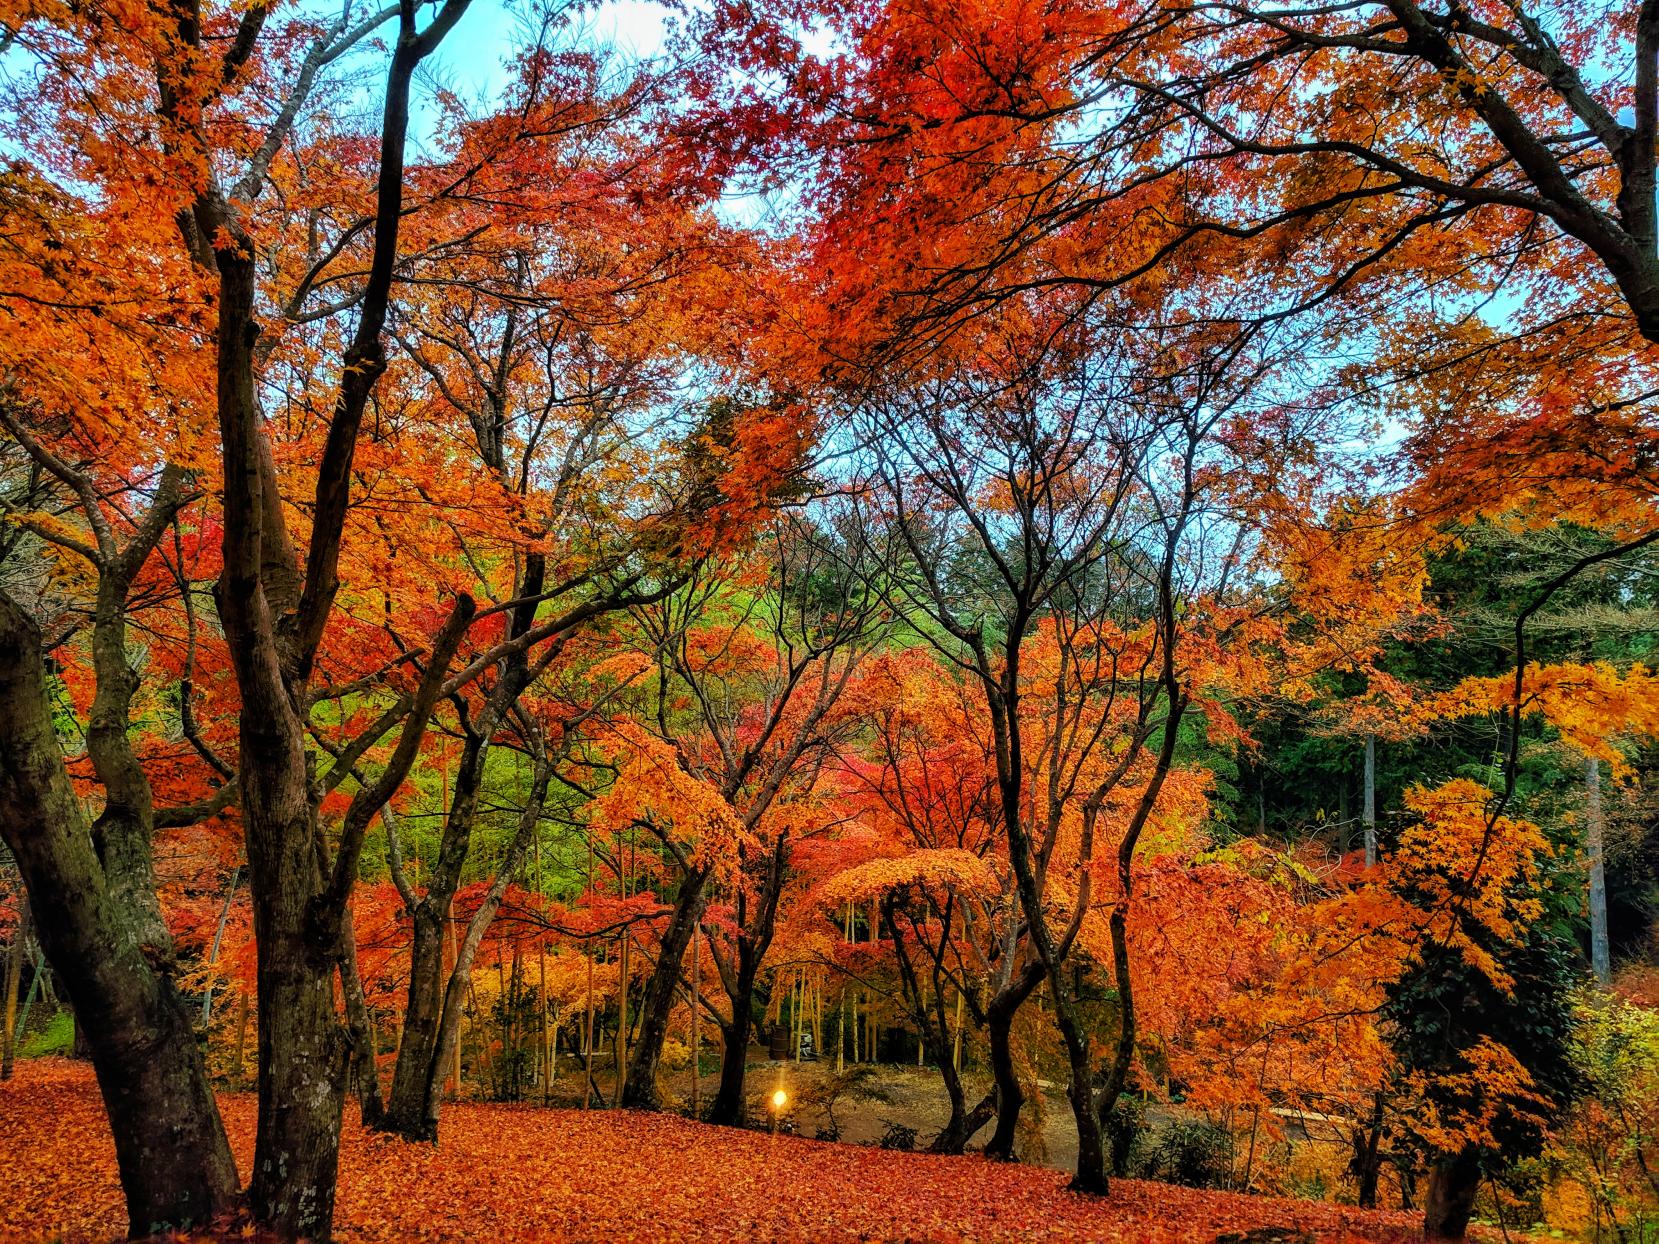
860 1103
522 1173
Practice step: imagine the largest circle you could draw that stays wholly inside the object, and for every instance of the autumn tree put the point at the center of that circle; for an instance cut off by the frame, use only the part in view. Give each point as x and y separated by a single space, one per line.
555 360
922 776
750 664
1048 493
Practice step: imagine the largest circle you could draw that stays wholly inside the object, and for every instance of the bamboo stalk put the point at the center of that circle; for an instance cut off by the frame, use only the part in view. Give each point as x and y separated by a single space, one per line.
696 1036
587 1030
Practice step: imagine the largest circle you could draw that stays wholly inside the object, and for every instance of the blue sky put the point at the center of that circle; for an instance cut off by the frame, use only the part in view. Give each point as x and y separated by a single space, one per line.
471 57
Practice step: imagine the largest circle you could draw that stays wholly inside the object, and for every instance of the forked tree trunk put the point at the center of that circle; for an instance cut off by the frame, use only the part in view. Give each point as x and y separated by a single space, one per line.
429 1045
729 1106
640 1085
274 620
999 1028
175 1164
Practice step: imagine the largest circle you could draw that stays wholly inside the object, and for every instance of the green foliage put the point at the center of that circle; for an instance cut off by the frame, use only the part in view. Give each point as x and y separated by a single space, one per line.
1442 1008
1124 1126
1189 1152
1611 1142
57 1037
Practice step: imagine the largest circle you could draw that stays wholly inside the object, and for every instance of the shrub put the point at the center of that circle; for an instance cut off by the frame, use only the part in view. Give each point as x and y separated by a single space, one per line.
898 1136
1123 1128
1191 1153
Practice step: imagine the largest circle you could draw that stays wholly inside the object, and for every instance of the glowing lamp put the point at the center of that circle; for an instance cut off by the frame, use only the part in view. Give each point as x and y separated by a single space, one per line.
780 1099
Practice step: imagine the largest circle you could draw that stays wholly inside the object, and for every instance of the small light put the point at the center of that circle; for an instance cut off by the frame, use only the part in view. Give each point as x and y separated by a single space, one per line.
780 1099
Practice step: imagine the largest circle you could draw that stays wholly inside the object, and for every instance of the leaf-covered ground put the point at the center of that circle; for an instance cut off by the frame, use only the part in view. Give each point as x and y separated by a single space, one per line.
508 1173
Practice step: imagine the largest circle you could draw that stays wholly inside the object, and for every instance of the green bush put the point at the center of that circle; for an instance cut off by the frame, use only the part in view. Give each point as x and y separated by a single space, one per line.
1191 1153
1123 1128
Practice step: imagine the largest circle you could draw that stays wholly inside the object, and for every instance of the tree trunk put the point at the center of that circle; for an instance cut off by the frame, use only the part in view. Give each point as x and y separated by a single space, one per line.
303 1048
964 1125
417 1086
1010 1097
417 1061
14 981
728 1106
640 1087
175 1164
1453 1182
1370 806
1090 1176
360 1025
418 1073
1367 1159
1601 958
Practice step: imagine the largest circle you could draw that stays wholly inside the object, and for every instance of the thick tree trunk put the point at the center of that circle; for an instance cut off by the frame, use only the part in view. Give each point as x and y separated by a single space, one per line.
274 621
640 1085
729 1106
175 1164
1010 1097
416 1066
1453 1183
303 1049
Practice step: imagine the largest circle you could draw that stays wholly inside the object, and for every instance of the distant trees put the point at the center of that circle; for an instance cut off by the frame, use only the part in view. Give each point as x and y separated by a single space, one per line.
320 444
